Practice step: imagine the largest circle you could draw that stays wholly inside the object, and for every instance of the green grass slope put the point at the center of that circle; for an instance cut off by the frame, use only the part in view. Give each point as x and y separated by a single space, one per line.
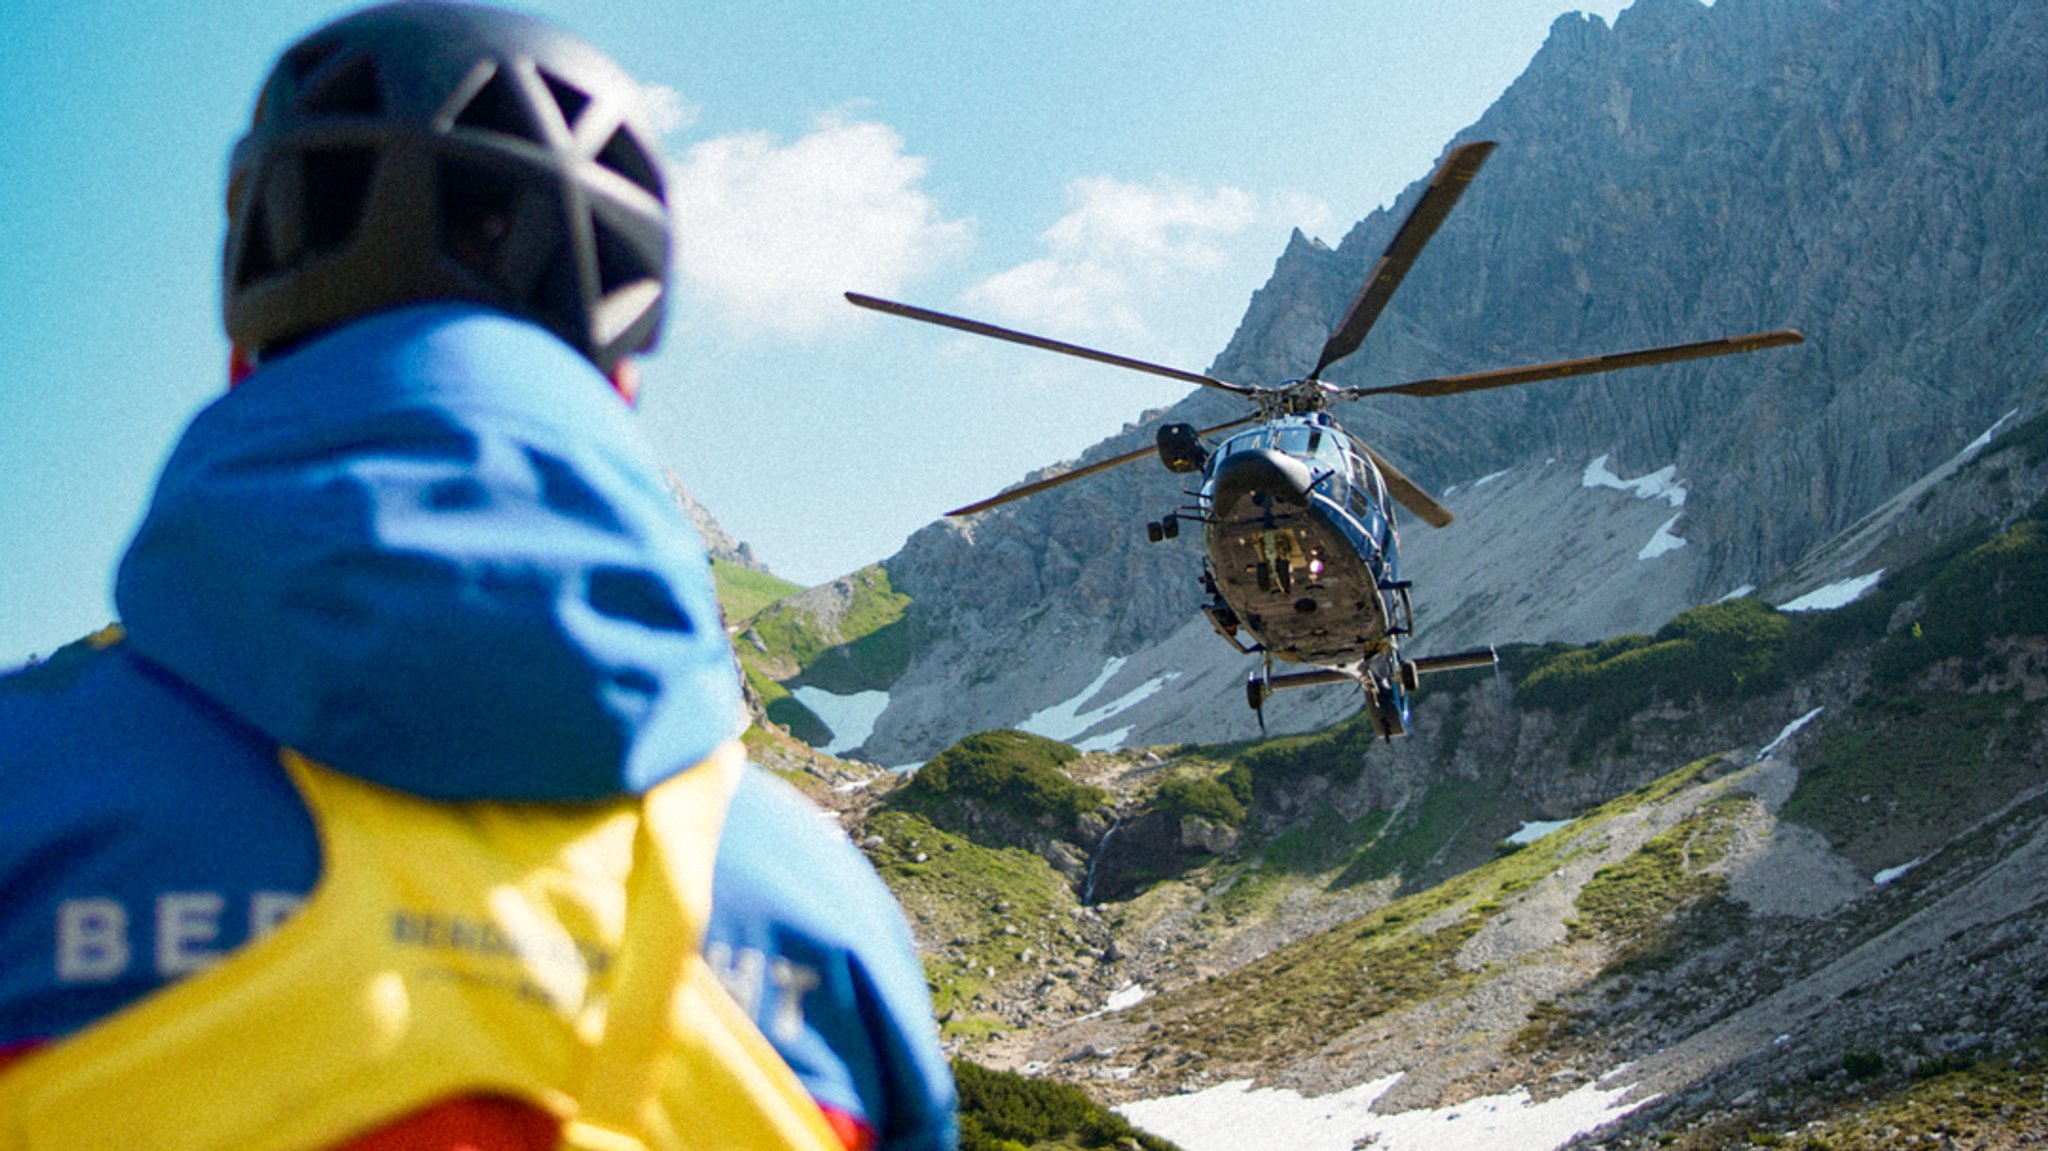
743 592
842 645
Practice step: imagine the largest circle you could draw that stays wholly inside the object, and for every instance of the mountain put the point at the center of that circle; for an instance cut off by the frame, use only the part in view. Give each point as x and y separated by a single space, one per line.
1752 878
1743 842
1872 173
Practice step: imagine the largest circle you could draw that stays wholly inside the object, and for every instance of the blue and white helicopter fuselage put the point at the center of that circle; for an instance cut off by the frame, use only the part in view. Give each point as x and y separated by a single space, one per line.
1303 557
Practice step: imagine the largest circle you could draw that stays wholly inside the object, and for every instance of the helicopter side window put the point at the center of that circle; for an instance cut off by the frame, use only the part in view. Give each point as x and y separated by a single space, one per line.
1362 472
1365 483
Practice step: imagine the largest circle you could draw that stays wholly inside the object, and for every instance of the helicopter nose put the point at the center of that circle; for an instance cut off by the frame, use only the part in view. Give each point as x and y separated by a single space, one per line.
1262 476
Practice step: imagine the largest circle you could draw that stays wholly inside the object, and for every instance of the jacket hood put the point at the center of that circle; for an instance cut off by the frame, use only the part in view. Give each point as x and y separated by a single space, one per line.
432 550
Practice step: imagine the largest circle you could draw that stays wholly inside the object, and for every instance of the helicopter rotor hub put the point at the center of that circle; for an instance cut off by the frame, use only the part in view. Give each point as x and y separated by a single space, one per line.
1295 398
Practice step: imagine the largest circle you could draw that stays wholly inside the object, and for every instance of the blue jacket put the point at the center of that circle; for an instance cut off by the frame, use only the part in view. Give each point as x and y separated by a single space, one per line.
430 550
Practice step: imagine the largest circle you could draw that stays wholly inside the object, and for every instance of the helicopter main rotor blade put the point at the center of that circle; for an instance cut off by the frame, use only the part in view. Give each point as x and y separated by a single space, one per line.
1438 199
1509 377
977 327
1082 472
1410 495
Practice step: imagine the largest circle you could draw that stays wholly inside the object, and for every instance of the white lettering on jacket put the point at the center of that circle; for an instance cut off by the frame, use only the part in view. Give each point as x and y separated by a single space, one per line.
92 940
95 945
748 975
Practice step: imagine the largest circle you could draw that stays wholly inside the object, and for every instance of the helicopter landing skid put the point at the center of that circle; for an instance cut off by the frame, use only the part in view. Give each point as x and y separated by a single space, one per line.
1386 680
1260 685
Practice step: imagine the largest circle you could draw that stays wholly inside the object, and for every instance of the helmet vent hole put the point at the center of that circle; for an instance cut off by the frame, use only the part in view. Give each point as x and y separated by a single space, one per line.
554 295
477 207
621 154
617 263
306 59
350 90
570 99
337 189
257 261
636 597
496 107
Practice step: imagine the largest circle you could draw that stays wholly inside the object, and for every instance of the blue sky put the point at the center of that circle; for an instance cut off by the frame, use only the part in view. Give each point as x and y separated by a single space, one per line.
1116 174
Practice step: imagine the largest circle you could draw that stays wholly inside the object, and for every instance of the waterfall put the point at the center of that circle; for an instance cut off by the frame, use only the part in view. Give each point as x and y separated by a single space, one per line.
1095 860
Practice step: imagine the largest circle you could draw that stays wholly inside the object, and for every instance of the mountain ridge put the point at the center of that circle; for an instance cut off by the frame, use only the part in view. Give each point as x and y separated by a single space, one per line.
1691 171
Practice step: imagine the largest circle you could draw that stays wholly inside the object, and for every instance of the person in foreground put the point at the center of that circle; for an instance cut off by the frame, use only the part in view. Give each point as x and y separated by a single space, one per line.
405 806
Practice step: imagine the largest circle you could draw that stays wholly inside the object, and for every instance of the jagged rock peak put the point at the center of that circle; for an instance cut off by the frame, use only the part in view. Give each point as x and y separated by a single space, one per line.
1657 15
1573 36
1301 241
719 543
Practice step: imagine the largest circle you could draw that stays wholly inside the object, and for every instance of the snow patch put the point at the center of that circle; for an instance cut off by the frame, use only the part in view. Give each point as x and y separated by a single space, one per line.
1661 484
1122 999
1481 482
1738 593
1884 878
1235 1117
1984 441
1841 593
1108 741
851 717
1537 829
1663 541
1065 720
1791 729
1129 995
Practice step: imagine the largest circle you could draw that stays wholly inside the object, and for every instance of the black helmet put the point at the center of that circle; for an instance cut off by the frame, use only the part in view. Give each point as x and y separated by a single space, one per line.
424 151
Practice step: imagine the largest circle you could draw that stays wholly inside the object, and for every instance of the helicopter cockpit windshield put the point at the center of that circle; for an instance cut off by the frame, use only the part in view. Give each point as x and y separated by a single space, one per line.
1242 442
1312 445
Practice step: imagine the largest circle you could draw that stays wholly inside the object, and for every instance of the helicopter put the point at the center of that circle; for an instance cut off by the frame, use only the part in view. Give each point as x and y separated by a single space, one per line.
1302 548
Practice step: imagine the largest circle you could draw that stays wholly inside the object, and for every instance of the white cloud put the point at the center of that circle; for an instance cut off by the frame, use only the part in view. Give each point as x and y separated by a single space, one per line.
769 234
1164 223
1127 251
667 111
1116 247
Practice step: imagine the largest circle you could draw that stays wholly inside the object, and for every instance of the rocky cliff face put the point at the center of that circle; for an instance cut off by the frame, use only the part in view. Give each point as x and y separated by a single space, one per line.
1874 174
